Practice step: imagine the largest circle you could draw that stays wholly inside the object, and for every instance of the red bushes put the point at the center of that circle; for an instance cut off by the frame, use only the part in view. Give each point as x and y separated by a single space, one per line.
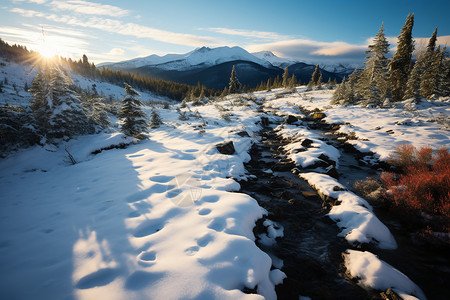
424 184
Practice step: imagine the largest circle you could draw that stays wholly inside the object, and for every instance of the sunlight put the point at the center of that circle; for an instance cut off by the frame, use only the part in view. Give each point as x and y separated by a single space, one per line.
47 50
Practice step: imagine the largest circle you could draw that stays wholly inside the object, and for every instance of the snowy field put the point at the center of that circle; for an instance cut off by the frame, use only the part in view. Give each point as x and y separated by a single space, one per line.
378 130
157 218
162 218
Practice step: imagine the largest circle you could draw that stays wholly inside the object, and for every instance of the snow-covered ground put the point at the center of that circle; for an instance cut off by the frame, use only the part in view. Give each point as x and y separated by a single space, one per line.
157 219
378 130
162 218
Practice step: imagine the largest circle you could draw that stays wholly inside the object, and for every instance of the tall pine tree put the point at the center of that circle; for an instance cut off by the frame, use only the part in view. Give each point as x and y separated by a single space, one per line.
422 75
374 78
400 64
133 117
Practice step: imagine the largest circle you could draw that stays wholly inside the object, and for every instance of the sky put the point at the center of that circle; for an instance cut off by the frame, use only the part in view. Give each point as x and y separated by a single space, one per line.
325 32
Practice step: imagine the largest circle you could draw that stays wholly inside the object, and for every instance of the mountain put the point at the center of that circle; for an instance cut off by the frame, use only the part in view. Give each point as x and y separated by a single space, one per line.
274 60
212 67
199 58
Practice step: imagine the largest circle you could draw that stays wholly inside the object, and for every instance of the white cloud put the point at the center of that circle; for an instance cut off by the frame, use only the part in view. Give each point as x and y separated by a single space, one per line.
249 33
311 51
116 51
89 8
127 29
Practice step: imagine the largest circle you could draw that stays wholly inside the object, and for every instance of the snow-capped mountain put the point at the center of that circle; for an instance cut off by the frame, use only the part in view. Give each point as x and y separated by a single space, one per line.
199 58
274 60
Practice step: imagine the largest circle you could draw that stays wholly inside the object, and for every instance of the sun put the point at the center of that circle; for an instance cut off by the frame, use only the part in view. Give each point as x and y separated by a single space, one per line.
48 50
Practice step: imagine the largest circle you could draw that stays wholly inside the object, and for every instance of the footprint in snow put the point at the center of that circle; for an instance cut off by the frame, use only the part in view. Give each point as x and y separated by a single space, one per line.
148 229
217 224
191 250
161 178
101 277
204 211
204 240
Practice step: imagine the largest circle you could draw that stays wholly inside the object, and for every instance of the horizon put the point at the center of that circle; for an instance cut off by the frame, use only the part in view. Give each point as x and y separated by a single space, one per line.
113 31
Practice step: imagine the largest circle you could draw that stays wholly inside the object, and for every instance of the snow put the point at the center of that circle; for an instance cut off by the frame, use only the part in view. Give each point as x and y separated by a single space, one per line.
378 130
157 219
306 156
353 214
377 274
273 59
163 218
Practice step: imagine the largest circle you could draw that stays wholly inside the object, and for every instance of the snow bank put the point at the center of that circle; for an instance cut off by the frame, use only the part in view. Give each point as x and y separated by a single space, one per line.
306 156
353 214
377 274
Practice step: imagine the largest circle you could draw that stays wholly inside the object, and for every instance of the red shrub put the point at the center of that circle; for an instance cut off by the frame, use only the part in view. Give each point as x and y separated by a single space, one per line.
424 185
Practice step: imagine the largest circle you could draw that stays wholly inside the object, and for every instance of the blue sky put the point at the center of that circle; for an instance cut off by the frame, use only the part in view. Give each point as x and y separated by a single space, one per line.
312 31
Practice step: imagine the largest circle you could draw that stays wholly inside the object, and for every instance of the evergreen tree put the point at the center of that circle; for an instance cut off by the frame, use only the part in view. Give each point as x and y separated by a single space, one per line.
422 74
293 81
432 60
155 119
315 76
67 117
442 86
374 81
39 105
134 118
319 81
234 86
285 77
400 64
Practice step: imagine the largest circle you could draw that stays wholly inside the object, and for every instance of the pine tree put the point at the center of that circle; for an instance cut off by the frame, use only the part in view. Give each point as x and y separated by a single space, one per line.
442 86
319 81
315 76
373 81
400 64
421 79
285 77
67 117
292 81
39 105
234 86
155 119
134 119
432 60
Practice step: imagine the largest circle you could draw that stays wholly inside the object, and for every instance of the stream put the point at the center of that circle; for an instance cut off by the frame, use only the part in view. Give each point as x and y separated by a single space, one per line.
310 252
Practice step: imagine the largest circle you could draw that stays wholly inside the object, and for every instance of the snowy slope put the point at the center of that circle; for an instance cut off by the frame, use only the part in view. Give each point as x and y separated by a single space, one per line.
200 57
157 220
274 60
21 75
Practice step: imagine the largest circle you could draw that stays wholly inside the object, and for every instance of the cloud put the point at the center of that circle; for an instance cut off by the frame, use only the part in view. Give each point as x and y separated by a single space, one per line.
68 46
89 8
311 51
116 51
249 33
127 29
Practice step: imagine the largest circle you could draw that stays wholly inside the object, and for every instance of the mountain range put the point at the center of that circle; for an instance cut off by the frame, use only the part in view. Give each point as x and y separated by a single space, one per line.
212 67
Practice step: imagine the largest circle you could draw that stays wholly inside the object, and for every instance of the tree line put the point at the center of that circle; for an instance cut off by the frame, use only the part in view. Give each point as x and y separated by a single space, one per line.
398 78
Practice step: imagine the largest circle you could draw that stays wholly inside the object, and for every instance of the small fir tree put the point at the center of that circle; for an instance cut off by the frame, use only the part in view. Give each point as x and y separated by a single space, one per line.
234 86
285 77
315 76
155 119
134 118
